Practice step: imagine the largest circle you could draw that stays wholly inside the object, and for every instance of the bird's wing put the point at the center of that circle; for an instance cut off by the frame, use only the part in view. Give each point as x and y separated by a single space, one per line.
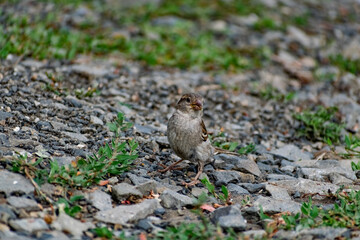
204 134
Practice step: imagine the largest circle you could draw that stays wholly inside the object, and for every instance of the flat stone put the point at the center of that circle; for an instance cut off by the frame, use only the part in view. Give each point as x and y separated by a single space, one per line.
128 213
241 164
338 179
63 161
147 187
292 153
196 192
32 63
5 115
253 187
124 191
30 225
14 183
53 235
90 70
171 199
136 180
320 170
271 205
6 213
323 174
236 222
299 36
278 177
277 192
5 233
229 217
236 190
162 141
4 140
306 186
77 136
226 177
59 126
315 233
145 130
100 199
68 224
96 121
255 234
23 203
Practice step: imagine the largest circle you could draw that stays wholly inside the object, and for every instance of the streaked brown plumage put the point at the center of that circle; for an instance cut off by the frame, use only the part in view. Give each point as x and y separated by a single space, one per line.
187 133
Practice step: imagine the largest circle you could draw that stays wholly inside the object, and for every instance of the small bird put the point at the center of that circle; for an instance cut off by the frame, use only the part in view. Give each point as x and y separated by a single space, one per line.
187 134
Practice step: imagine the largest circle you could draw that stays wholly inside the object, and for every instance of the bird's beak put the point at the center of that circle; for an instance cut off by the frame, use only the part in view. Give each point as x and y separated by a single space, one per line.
197 105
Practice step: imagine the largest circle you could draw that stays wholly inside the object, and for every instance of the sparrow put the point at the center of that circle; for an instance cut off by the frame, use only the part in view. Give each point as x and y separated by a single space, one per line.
187 134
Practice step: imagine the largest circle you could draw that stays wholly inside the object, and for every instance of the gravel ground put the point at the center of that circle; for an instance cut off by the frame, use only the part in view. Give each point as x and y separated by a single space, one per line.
42 116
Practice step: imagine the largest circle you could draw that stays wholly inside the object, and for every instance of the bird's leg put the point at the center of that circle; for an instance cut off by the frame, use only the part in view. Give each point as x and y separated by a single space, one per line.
170 167
195 180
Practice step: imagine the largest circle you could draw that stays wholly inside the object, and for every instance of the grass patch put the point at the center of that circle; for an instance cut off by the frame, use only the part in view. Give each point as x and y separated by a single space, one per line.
185 45
271 93
111 159
321 124
344 214
345 64
224 196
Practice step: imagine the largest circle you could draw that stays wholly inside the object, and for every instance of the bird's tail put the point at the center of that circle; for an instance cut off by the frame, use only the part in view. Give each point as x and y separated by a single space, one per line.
220 150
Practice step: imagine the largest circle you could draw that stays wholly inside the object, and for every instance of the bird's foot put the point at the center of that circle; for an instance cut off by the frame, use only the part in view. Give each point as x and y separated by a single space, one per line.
190 184
167 168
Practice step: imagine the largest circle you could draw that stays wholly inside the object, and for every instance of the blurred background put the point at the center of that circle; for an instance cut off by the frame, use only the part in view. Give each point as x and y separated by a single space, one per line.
207 35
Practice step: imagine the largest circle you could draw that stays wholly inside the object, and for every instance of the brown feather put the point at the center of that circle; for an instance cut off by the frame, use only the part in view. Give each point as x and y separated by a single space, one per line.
204 134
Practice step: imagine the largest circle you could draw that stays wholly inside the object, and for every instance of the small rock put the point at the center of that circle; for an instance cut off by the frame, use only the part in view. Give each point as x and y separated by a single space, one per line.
160 211
225 177
90 70
23 203
196 192
292 153
229 217
236 190
30 225
124 191
352 50
315 233
77 136
6 213
171 199
147 187
255 234
31 63
145 225
162 141
144 130
338 179
306 186
95 120
277 192
278 177
241 164
68 224
272 206
11 183
253 187
128 213
5 233
100 200
5 115
136 180
53 235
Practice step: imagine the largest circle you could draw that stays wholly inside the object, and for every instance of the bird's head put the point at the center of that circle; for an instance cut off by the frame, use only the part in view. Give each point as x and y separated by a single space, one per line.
191 103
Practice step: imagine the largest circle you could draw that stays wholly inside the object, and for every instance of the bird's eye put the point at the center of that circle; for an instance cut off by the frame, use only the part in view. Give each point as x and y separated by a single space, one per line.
188 100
